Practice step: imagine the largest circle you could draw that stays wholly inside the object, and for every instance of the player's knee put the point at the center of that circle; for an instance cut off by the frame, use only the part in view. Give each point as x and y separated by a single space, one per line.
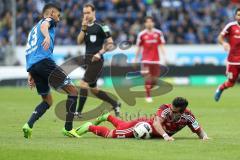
71 90
74 92
48 100
50 103
84 85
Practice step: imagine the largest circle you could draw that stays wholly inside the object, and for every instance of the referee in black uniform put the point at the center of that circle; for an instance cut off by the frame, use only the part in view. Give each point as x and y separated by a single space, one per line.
95 36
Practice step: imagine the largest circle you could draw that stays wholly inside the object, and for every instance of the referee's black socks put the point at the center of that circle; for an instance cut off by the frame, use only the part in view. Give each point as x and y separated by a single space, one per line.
38 112
70 109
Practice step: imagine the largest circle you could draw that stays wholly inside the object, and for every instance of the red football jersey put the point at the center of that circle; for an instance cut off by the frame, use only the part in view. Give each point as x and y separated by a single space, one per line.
232 32
149 41
170 126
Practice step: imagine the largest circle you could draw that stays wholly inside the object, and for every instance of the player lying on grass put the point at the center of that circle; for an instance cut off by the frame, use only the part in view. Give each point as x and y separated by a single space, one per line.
168 120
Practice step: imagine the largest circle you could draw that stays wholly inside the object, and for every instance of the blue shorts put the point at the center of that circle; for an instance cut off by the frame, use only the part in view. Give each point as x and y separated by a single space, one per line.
45 74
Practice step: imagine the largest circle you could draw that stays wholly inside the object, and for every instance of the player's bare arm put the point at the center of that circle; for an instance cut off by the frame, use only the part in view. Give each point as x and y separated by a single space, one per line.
44 29
157 123
163 52
202 134
108 45
137 54
223 42
80 38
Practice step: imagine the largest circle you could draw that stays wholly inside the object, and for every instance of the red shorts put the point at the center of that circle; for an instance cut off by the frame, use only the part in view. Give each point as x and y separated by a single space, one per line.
232 72
152 69
125 129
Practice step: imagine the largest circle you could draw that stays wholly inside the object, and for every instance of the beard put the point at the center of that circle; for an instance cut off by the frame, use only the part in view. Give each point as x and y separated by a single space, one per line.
176 117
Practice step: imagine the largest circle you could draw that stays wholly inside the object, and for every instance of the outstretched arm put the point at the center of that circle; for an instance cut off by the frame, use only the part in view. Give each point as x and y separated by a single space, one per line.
202 134
157 123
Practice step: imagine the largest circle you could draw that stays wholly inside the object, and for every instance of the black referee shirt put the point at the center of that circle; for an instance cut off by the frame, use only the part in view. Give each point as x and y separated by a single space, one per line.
95 36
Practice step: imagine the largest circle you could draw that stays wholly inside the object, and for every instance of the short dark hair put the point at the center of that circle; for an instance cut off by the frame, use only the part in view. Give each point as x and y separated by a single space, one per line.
237 10
180 102
89 5
147 18
51 5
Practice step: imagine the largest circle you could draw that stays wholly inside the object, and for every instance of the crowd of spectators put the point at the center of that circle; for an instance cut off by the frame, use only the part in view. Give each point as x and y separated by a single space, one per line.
182 21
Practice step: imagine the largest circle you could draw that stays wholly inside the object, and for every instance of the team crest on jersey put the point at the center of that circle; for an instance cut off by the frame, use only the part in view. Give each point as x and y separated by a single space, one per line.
93 38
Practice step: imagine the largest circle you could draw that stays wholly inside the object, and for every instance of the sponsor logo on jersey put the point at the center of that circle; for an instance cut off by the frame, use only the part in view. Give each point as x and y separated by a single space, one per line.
236 36
151 41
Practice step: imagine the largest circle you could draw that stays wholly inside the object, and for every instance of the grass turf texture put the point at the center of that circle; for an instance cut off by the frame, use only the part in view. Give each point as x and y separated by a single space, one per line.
220 120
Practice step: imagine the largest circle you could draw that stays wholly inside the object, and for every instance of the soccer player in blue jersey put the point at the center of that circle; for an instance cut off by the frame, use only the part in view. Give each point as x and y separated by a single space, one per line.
41 66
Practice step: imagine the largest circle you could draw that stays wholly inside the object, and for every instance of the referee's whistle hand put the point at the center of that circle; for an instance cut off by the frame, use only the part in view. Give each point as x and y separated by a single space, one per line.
96 57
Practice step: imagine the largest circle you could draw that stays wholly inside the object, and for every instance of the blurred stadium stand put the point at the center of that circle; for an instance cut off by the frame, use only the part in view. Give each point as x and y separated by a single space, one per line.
189 26
182 21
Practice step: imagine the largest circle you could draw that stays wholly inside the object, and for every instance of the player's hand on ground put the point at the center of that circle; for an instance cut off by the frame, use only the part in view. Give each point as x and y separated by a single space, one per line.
96 57
206 138
46 43
31 82
168 138
226 46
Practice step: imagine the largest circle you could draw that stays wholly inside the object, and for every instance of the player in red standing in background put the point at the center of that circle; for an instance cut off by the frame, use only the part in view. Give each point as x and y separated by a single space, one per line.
148 43
229 38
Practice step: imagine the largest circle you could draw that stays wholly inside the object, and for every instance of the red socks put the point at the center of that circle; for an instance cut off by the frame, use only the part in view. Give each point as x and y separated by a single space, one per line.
148 87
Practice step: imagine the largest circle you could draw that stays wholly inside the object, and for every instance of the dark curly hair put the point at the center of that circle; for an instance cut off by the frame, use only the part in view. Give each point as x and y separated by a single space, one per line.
237 10
51 5
180 102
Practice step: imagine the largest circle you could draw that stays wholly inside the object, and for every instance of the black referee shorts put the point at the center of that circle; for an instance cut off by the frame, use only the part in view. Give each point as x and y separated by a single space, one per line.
93 71
45 74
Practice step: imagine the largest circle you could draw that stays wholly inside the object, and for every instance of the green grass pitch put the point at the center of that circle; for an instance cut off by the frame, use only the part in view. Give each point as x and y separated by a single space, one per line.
220 120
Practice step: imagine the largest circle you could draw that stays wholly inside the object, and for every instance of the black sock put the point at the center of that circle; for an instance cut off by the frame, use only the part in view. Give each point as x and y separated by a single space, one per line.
70 109
82 99
39 111
103 96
